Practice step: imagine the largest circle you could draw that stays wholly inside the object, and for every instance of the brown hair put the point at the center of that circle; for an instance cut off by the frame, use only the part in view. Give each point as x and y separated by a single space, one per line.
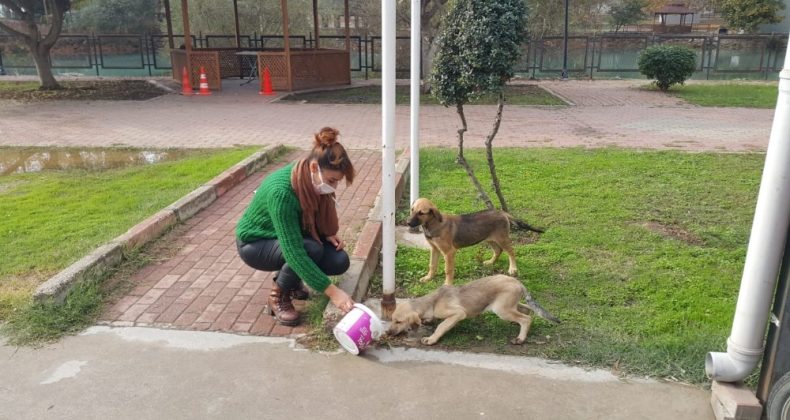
330 154
319 214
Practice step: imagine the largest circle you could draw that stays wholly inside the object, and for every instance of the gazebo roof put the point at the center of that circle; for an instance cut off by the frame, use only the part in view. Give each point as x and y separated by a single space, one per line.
675 9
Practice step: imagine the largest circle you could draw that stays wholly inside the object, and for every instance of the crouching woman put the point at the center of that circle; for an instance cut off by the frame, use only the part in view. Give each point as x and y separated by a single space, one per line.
291 225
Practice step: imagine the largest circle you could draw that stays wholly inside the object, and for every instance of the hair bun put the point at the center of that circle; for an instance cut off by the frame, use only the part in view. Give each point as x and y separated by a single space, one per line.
326 137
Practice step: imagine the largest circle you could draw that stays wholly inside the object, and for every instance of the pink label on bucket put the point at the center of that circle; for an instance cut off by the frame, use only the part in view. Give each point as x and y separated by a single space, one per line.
359 331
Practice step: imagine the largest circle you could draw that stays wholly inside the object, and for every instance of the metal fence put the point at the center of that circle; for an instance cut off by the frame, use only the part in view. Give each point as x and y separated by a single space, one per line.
599 56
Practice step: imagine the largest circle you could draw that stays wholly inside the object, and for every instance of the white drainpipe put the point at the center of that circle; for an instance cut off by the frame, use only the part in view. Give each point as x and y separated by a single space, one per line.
764 255
414 183
388 145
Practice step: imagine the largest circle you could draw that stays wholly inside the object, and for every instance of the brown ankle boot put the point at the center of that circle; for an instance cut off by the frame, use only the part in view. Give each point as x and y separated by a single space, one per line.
281 307
301 293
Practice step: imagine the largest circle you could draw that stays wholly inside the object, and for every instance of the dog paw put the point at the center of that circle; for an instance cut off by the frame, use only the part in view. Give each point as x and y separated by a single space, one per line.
488 262
517 341
512 271
425 279
428 341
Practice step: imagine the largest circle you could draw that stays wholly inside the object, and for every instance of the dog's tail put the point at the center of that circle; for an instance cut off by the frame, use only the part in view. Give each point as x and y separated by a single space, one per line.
522 225
532 305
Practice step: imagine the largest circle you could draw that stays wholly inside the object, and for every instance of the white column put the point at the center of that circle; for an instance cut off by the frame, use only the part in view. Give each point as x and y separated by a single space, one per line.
414 191
388 143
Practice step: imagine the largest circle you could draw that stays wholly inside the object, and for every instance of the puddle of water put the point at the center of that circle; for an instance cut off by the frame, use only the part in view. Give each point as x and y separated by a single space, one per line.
37 160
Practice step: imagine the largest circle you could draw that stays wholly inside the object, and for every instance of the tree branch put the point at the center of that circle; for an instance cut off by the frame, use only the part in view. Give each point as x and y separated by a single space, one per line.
56 26
462 161
14 32
490 152
430 8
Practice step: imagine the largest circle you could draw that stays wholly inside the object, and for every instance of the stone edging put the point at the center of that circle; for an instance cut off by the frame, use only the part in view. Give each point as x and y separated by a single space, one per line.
365 257
561 97
107 257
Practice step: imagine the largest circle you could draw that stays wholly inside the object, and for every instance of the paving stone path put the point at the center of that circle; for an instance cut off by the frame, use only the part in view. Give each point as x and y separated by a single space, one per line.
205 286
606 113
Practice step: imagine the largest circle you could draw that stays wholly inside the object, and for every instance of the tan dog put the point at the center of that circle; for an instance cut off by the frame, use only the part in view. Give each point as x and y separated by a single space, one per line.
447 233
499 294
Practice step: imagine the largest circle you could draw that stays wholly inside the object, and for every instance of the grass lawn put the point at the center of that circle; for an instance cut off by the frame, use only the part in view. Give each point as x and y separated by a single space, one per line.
53 218
514 95
641 258
746 95
82 90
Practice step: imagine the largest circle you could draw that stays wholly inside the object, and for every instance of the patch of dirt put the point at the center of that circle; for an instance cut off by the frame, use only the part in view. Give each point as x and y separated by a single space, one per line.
673 232
6 186
514 94
411 339
524 237
120 90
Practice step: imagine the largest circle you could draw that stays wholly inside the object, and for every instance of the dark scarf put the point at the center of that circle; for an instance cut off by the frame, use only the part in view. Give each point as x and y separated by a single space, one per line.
319 215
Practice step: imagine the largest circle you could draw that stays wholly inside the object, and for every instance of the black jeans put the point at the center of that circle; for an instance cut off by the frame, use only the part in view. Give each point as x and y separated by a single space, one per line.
265 255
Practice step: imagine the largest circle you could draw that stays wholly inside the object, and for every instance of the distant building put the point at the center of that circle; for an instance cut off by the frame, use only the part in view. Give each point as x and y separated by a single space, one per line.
674 18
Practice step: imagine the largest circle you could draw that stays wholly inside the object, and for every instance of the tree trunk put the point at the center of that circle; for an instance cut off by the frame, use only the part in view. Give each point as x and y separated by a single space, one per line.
38 45
490 152
427 63
462 161
43 63
432 11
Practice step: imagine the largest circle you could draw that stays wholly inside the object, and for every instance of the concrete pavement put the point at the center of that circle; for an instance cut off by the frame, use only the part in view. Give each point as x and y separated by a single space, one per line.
143 373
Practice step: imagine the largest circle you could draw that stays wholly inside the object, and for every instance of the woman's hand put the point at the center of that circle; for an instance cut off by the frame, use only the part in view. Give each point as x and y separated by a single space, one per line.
339 298
336 241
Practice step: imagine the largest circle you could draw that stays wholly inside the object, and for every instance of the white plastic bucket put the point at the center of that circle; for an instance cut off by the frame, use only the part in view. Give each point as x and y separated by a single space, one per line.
358 329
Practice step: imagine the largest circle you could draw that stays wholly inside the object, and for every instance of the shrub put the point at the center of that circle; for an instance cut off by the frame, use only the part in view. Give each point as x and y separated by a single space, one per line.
668 64
478 49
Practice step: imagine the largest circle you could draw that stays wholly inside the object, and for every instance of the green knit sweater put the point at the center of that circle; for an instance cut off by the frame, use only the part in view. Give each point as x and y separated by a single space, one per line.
275 212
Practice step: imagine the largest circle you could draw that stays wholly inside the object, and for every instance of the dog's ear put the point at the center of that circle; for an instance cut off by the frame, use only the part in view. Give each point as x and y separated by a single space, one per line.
436 215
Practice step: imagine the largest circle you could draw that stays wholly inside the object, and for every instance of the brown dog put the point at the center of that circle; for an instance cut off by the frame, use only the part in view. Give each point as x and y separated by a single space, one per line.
500 294
447 233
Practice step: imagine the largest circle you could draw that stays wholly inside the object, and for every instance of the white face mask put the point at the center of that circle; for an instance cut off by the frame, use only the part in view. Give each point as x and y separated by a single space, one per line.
323 188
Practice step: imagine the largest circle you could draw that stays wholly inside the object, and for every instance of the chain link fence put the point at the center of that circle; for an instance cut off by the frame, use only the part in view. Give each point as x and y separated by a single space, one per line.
605 56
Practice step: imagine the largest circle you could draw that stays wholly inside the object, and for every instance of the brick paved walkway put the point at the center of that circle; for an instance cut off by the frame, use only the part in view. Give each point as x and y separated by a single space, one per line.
205 286
606 113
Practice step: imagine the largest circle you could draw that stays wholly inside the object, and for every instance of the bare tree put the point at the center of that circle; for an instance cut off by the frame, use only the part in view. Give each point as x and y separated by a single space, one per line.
25 23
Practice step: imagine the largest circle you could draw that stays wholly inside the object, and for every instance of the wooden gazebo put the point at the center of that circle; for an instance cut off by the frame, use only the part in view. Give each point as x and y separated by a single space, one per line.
677 13
290 68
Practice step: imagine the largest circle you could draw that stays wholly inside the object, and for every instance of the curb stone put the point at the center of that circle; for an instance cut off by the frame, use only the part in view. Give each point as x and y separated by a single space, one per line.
94 265
560 96
192 203
109 256
147 230
365 257
162 86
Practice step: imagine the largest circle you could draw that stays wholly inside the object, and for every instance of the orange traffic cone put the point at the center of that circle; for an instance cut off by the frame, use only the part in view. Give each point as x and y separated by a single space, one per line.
204 90
186 84
266 83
